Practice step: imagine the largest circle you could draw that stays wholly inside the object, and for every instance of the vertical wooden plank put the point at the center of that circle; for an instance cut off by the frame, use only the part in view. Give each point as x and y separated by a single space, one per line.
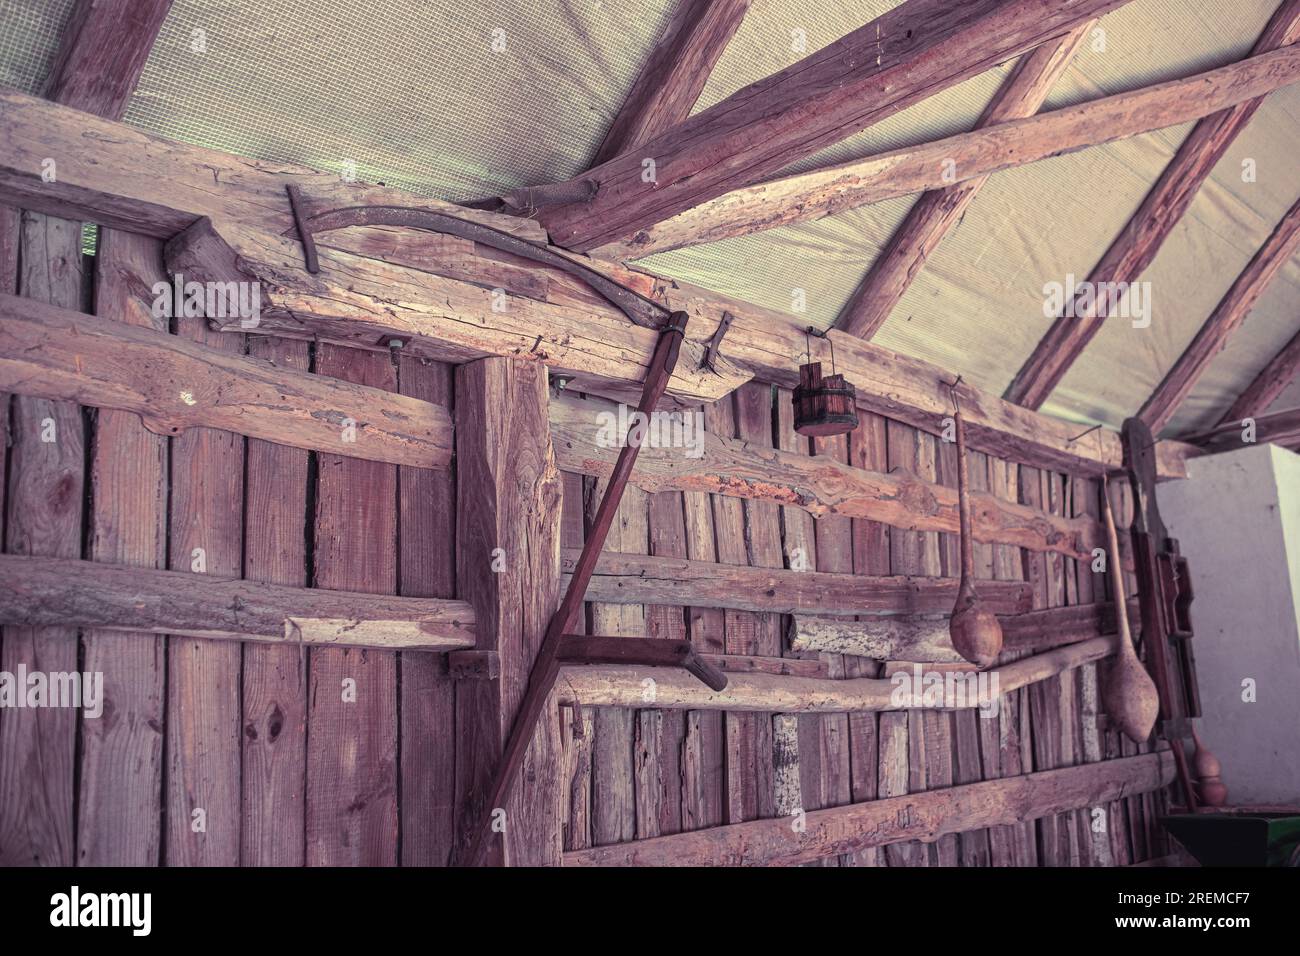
274 746
351 811
703 758
612 763
577 725
1005 743
902 733
44 501
203 707
868 449
120 796
426 567
508 514
1064 590
1096 821
660 734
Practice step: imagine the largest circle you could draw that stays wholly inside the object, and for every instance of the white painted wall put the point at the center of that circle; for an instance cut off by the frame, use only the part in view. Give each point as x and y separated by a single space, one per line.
1237 520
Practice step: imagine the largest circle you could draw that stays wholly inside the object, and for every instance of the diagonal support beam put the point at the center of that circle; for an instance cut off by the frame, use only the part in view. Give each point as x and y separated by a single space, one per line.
675 74
1137 244
915 50
804 197
1267 386
938 211
1227 316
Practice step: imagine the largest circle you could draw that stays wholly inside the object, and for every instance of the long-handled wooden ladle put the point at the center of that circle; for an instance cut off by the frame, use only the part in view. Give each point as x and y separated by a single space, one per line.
974 629
1131 698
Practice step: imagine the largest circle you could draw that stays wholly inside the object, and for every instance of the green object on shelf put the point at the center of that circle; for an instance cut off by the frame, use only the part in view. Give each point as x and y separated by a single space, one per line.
1239 836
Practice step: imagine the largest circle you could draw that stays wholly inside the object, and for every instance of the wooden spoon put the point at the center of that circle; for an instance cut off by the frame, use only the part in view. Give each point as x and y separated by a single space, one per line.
1209 772
974 629
1131 697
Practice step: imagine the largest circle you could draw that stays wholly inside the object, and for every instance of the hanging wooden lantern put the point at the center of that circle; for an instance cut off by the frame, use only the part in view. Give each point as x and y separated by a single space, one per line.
823 406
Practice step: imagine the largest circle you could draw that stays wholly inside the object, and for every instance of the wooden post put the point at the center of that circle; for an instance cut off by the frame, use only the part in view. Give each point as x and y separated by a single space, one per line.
508 568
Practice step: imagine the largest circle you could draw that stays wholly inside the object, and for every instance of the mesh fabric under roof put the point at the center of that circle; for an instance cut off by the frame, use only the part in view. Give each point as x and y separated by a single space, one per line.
414 94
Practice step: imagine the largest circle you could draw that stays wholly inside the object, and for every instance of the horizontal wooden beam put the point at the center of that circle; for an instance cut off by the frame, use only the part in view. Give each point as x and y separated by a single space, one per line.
675 73
833 189
1231 311
818 484
641 579
1145 233
48 592
1281 428
612 686
915 816
1271 382
939 211
916 638
173 383
913 51
377 283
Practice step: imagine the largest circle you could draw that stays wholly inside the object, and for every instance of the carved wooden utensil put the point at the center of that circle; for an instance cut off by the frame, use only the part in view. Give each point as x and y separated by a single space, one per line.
974 629
1209 771
1131 698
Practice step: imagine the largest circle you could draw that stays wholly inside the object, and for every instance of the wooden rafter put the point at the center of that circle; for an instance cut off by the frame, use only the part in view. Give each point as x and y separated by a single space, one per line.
915 50
824 192
1280 372
1142 237
102 53
915 816
938 211
675 73
1281 428
366 291
1231 311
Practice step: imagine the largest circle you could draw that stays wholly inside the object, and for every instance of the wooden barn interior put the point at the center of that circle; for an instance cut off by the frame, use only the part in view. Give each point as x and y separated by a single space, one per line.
637 433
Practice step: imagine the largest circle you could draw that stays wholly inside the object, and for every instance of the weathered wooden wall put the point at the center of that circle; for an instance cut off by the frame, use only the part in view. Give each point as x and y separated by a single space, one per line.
228 754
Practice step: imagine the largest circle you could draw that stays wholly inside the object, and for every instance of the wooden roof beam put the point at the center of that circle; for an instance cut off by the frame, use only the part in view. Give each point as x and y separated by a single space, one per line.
1280 372
675 74
1231 311
804 197
914 51
1280 428
938 211
1142 237
411 283
102 52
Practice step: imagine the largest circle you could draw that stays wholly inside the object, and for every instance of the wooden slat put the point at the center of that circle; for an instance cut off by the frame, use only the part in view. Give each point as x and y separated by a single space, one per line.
45 495
507 518
635 579
351 812
890 820
915 50
813 195
1231 311
46 592
938 211
159 187
822 485
119 810
1145 233
426 568
203 691
1271 382
674 74
274 682
173 384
